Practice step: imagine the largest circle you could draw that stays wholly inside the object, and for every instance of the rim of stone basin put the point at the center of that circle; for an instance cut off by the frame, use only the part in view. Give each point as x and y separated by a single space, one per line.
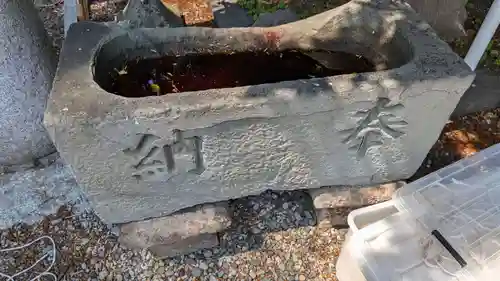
388 34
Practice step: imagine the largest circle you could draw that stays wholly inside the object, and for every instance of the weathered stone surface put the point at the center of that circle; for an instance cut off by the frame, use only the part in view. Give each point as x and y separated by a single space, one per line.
335 217
352 196
28 196
445 16
482 95
27 67
185 246
228 14
181 233
277 18
138 158
333 204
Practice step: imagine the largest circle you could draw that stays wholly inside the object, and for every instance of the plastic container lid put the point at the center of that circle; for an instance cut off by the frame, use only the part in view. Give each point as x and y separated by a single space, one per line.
448 227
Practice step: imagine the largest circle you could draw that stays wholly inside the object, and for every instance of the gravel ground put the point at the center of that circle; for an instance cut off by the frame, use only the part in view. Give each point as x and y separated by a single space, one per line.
52 12
272 237
106 10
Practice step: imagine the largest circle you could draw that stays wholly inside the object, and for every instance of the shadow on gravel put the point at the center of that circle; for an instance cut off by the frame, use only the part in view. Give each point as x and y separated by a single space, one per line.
271 211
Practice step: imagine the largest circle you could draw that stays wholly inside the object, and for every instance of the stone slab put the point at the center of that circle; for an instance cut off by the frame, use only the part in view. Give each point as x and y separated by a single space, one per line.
27 68
352 196
139 158
333 204
186 246
335 217
27 196
484 94
181 233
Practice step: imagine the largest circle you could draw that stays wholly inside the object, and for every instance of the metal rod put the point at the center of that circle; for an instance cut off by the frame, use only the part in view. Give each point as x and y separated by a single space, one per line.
484 36
70 14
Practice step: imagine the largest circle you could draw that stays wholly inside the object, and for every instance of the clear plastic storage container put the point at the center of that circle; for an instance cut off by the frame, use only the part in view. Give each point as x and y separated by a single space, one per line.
445 226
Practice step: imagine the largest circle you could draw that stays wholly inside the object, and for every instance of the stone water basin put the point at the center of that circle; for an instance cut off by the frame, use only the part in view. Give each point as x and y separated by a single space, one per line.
156 120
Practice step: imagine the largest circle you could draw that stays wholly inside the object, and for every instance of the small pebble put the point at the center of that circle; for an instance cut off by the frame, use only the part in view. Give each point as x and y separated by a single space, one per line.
103 275
298 217
196 272
203 266
255 230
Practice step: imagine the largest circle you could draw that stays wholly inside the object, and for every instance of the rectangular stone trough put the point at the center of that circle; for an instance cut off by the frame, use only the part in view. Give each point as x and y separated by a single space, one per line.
152 121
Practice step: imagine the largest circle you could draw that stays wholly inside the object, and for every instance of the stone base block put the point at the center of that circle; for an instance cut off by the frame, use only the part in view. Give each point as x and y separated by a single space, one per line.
334 217
333 204
177 234
185 246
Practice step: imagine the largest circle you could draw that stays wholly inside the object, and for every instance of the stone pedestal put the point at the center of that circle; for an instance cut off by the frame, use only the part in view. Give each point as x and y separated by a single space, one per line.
27 67
145 156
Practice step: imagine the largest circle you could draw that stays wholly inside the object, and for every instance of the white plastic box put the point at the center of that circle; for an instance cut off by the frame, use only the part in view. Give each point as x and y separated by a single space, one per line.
445 226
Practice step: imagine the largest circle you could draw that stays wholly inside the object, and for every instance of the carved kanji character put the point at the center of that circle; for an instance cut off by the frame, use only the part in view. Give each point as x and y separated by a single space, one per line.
374 123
